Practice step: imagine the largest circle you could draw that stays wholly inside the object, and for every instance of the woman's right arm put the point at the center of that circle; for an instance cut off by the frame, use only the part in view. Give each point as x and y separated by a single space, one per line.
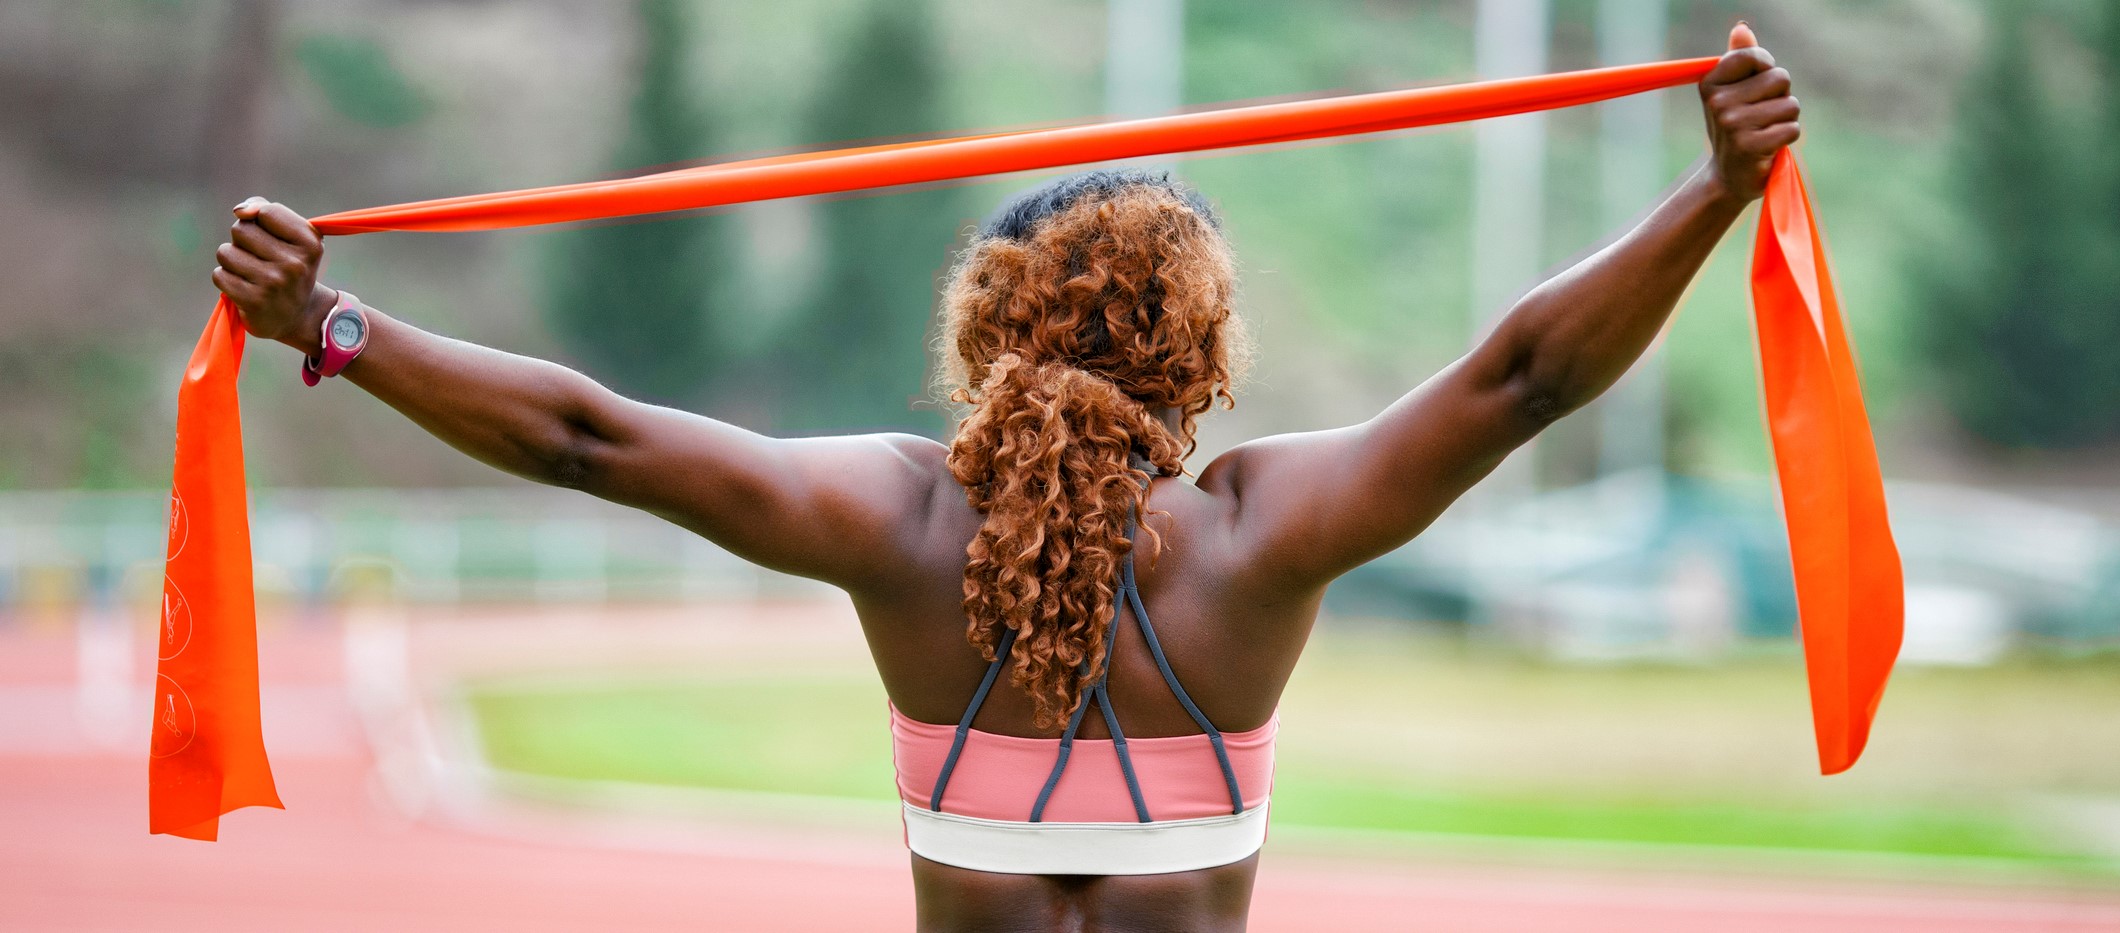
842 509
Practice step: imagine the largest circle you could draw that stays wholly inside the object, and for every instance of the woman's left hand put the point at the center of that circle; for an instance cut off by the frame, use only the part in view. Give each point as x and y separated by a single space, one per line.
1751 116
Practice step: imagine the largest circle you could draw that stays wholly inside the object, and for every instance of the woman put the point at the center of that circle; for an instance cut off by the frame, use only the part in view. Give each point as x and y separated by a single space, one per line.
1089 327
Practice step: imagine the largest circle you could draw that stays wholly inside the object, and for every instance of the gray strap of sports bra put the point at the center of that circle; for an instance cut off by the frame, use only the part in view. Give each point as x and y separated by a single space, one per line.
964 726
1126 761
1067 747
1170 677
1096 693
1102 694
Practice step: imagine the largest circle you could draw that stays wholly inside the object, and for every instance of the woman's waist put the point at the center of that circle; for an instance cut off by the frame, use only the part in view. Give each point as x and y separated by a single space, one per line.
1207 899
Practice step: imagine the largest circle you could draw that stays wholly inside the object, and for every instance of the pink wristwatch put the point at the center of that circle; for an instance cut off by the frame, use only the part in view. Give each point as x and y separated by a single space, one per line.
345 336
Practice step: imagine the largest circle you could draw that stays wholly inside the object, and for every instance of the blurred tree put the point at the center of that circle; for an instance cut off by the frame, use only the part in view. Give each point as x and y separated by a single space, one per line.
632 299
2022 317
2107 153
235 144
855 354
359 81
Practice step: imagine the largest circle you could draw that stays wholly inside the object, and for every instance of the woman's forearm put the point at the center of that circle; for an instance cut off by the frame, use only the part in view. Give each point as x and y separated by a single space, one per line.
1572 337
525 416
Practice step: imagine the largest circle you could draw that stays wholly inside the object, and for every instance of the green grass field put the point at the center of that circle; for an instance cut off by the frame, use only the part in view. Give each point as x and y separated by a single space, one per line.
1391 732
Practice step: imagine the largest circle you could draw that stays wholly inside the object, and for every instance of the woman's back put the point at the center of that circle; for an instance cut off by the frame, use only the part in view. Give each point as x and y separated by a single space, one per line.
1230 651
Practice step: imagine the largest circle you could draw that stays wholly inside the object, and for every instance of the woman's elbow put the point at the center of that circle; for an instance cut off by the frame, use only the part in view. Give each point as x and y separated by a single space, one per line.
571 466
1546 406
575 448
1544 394
565 451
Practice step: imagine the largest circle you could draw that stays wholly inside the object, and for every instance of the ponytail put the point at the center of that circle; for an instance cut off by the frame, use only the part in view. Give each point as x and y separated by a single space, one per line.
1047 455
1073 327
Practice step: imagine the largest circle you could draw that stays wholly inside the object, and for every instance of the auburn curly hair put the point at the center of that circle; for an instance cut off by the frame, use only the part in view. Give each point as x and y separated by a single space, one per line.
1079 314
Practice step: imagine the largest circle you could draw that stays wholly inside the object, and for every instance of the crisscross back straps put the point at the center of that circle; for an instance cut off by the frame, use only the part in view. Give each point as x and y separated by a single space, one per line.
964 726
1067 747
1155 650
1111 722
1097 694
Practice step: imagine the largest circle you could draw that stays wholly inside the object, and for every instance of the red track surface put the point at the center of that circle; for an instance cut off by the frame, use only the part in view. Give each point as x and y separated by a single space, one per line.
75 855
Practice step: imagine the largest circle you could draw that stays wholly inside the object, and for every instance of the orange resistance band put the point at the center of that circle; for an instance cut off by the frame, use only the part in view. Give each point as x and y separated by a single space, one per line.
209 756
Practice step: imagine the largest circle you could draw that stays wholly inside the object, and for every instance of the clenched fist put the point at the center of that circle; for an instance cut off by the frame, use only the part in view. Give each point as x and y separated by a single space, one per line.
269 268
1751 115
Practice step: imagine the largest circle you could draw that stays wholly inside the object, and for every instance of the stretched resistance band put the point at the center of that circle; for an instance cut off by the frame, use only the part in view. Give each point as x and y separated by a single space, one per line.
209 756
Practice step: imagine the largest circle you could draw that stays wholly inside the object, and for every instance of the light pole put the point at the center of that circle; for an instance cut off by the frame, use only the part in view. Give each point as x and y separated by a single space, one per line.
1508 189
1508 238
1630 423
1144 57
1509 167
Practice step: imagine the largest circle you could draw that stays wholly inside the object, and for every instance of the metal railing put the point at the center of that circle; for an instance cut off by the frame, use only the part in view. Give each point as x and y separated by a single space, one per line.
424 545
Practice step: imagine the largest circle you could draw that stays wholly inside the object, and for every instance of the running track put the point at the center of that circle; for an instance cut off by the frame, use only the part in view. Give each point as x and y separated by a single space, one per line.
74 855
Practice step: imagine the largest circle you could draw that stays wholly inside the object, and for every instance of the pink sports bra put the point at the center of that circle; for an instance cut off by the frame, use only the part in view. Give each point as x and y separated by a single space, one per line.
1069 806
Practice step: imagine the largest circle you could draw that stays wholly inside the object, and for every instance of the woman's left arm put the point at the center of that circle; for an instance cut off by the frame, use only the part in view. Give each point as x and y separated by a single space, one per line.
1562 345
1575 335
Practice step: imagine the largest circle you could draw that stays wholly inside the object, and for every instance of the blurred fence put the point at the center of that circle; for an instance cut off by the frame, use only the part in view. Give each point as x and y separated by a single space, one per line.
1648 566
1635 566
72 548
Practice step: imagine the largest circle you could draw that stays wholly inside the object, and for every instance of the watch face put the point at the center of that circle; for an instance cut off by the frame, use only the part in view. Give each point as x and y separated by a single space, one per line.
346 331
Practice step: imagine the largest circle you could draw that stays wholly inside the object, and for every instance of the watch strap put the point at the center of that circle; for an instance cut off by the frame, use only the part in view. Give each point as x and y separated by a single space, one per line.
330 358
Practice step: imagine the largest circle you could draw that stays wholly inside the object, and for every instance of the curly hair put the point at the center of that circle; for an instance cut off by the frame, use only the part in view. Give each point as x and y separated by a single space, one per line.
1071 323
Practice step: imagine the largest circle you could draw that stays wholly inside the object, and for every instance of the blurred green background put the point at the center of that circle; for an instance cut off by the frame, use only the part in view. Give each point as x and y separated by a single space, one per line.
1384 732
1963 153
1621 613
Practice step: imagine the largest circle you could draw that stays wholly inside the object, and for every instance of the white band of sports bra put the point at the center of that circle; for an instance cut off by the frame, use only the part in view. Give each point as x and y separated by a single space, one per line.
1084 848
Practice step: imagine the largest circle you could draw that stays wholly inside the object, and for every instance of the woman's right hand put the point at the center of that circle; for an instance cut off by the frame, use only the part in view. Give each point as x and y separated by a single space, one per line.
269 268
